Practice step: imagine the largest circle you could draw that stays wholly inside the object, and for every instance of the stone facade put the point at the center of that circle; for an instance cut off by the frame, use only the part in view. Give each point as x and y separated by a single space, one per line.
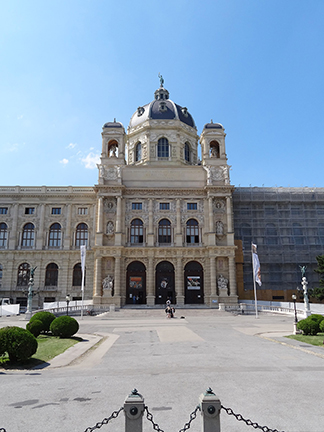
158 225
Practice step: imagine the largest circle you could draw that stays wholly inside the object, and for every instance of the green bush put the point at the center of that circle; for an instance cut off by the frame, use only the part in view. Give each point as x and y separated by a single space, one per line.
3 340
317 317
64 326
20 343
45 317
309 326
35 327
322 326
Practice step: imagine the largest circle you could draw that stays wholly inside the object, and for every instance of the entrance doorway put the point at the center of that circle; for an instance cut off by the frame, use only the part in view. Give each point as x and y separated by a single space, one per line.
194 283
136 283
164 283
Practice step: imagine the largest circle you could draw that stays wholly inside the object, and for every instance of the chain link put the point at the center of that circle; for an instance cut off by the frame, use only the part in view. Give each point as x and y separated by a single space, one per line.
98 425
193 415
248 422
149 417
3 430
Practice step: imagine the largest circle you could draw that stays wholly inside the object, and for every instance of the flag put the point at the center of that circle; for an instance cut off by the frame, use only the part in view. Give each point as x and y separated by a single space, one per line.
256 265
83 257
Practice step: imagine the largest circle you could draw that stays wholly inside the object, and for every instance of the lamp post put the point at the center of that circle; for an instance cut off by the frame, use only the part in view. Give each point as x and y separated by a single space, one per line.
294 297
68 299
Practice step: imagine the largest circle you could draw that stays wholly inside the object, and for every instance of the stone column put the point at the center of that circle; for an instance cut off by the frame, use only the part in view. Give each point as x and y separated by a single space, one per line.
150 285
211 234
178 236
97 286
232 277
40 233
230 234
67 237
150 234
99 227
213 288
179 282
117 287
118 233
13 233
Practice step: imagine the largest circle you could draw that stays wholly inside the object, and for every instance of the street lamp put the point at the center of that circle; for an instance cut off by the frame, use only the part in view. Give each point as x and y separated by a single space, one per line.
68 299
294 297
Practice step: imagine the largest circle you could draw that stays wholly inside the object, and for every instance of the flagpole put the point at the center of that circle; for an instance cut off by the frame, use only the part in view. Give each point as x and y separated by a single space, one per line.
83 257
254 286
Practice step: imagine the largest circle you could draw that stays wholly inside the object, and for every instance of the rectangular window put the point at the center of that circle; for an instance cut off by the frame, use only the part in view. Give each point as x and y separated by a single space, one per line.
164 206
3 210
29 210
137 206
56 210
191 206
82 210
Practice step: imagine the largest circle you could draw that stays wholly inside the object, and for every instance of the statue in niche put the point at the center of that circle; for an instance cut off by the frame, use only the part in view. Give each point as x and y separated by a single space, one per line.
213 152
108 283
222 282
113 150
219 228
110 227
102 171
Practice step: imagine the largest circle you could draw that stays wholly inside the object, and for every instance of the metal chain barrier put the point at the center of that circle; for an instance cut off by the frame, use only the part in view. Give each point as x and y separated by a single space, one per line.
193 415
3 430
98 425
149 417
248 422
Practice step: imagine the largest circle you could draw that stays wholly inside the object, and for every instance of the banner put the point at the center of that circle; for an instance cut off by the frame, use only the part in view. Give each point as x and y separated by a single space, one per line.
83 257
256 265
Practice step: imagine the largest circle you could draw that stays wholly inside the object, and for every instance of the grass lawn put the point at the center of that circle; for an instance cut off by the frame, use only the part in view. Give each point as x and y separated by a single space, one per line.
48 348
312 340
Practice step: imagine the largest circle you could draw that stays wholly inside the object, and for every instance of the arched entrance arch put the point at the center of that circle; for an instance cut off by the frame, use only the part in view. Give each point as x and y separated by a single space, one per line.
136 283
164 283
194 283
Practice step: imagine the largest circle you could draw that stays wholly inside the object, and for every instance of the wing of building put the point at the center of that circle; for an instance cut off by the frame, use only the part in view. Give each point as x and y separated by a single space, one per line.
159 223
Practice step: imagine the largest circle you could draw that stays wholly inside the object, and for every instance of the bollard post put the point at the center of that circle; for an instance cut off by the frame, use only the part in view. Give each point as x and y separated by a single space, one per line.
210 410
134 409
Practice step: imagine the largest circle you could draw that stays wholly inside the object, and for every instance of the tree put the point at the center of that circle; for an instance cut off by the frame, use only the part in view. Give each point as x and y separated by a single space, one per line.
318 292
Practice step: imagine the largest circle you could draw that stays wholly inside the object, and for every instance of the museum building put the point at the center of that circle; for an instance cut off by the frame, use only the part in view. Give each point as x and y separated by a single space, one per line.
159 224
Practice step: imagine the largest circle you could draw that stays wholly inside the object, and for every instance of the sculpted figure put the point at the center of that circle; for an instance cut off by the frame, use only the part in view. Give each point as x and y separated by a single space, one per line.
112 150
108 283
110 227
219 228
222 282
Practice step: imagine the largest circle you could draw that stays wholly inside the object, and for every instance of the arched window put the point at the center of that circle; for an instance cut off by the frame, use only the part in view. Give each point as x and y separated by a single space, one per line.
136 235
214 149
321 232
113 148
163 148
246 235
54 238
23 274
271 234
28 235
298 234
138 152
77 275
187 152
164 231
0 275
51 275
192 232
81 235
3 235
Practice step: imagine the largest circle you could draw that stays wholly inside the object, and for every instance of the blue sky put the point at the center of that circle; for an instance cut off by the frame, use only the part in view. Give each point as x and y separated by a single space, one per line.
67 67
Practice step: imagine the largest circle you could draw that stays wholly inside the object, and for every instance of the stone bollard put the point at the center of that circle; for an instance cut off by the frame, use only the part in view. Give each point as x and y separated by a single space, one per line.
112 308
210 410
134 409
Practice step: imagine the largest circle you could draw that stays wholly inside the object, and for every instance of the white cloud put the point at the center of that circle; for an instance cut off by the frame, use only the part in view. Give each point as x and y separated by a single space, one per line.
71 146
91 160
64 161
10 148
20 116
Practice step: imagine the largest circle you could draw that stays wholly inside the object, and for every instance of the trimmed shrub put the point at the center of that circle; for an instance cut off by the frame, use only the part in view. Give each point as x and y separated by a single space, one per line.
45 317
309 326
20 344
3 340
64 326
317 317
322 326
35 327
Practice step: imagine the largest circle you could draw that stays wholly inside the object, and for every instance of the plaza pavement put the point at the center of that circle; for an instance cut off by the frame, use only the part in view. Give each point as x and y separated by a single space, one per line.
248 362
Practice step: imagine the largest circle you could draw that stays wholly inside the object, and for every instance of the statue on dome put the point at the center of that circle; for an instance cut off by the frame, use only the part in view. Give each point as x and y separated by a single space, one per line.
161 80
